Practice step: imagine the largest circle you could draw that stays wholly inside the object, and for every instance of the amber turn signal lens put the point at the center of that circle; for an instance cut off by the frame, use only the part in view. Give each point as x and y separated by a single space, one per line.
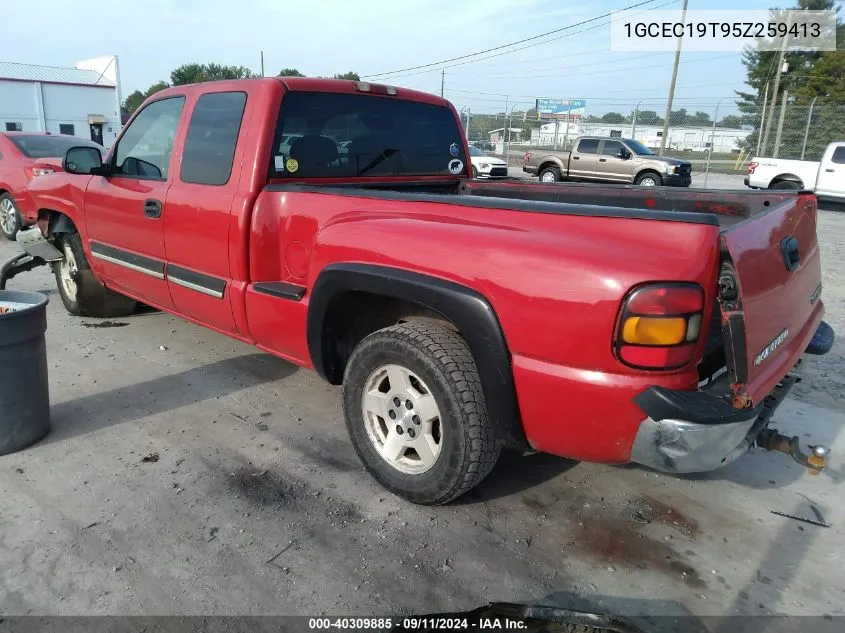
654 331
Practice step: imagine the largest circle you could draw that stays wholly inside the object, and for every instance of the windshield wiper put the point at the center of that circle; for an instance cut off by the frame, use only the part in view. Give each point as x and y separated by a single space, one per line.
378 160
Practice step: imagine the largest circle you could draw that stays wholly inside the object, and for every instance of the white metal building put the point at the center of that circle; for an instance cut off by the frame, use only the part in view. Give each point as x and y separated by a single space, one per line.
82 101
683 138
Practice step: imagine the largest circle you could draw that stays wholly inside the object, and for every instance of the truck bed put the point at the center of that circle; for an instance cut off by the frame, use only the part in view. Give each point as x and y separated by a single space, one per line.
722 208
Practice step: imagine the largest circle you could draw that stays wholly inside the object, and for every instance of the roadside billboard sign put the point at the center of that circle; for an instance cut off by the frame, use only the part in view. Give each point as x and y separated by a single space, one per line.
573 109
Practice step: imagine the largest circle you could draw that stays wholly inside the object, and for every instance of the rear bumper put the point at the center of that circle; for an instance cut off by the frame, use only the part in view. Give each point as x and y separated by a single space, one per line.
696 431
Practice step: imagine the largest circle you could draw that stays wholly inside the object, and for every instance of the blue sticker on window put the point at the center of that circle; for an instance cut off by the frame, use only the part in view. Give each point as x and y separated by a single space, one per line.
454 150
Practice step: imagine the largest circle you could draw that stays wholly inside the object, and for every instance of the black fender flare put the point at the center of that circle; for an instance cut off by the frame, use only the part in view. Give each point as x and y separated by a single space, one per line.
60 223
467 309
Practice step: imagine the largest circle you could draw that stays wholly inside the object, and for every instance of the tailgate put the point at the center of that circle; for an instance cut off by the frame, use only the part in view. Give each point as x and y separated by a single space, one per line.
771 307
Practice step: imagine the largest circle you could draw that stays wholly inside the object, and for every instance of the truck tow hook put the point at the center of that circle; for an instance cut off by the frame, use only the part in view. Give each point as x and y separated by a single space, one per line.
815 462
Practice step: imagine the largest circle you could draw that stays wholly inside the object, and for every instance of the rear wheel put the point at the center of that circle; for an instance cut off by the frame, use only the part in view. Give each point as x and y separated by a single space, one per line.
82 294
649 179
550 174
789 185
474 172
416 415
10 218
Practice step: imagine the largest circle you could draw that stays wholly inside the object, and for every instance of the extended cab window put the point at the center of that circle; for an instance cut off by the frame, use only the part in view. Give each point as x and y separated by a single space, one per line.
144 149
342 135
212 137
839 155
588 146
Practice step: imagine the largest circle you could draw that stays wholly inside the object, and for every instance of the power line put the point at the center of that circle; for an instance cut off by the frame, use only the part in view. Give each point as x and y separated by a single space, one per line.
498 48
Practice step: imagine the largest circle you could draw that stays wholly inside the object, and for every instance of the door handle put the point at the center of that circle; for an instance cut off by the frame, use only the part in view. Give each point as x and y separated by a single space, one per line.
576 158
602 160
152 208
830 171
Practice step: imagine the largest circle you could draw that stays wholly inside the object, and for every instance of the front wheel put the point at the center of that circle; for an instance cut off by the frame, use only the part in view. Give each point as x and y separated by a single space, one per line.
10 218
416 414
81 292
788 185
649 179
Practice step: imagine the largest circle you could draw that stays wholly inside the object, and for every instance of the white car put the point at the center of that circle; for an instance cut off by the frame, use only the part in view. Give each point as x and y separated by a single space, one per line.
826 178
484 166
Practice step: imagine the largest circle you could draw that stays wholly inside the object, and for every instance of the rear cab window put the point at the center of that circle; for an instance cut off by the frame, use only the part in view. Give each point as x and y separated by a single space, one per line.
588 146
330 135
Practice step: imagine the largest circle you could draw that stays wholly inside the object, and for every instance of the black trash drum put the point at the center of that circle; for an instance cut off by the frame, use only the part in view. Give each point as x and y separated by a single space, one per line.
24 390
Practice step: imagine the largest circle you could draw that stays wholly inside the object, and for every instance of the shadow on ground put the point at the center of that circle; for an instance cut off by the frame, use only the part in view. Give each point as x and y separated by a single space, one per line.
165 393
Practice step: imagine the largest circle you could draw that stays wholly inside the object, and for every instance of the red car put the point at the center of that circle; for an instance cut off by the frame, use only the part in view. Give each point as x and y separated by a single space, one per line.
23 156
611 324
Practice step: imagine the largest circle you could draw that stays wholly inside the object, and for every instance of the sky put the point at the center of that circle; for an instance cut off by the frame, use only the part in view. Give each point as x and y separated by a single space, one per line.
372 37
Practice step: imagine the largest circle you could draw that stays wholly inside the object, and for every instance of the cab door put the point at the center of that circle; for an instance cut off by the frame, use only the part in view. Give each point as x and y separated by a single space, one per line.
583 162
610 166
831 178
199 210
125 211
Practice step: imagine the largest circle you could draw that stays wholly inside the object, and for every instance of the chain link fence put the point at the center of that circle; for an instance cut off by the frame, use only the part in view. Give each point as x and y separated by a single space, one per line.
716 138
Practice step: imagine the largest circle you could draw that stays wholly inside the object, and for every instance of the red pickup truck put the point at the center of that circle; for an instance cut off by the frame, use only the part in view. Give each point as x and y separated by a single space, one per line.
334 224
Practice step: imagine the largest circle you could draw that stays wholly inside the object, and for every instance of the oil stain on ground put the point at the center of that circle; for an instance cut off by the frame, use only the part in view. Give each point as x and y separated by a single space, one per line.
105 324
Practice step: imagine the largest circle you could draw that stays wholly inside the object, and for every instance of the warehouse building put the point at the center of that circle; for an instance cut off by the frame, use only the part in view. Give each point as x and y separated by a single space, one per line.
82 101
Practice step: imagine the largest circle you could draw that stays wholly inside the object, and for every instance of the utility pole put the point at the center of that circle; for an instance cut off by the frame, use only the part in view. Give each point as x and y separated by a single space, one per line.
672 83
505 117
442 81
775 90
807 129
262 64
634 121
780 123
762 118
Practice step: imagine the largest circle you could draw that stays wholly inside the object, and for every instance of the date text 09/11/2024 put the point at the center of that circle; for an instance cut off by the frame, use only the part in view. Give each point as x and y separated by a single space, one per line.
412 623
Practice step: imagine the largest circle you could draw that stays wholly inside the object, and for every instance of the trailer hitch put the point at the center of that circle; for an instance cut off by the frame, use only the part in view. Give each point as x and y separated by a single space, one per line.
815 462
20 263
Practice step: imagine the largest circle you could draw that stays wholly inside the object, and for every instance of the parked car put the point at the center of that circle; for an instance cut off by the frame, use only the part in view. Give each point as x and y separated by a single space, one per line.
23 156
599 159
484 146
826 177
486 166
461 316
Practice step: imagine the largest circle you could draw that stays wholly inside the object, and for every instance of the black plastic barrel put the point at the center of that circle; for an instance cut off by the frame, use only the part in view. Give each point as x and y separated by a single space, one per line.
24 391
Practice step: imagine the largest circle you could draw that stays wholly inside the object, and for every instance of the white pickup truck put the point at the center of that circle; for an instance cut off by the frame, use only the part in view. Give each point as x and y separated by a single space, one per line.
825 178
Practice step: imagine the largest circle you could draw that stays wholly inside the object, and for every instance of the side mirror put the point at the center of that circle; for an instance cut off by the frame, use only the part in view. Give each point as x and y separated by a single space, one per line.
82 160
623 154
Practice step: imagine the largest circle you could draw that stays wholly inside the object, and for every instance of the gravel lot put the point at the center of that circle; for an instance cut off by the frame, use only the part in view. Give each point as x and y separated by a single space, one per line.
257 504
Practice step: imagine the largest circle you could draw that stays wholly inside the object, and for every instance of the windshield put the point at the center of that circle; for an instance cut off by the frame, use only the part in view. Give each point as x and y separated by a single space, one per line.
43 146
327 135
474 151
638 148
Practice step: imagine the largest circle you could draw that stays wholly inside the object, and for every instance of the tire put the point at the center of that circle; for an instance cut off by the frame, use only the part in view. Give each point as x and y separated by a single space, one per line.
789 185
474 172
441 378
649 179
10 217
550 174
81 292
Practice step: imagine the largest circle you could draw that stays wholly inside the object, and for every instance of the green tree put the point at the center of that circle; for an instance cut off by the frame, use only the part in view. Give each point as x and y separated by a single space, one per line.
613 117
196 73
731 120
699 118
136 98
290 72
350 75
649 117
761 67
678 117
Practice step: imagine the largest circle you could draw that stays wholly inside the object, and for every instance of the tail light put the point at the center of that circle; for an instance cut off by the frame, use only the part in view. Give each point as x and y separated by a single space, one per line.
659 325
527 157
33 172
751 167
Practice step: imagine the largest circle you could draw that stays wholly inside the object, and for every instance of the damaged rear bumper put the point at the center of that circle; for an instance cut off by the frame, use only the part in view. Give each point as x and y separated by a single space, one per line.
698 431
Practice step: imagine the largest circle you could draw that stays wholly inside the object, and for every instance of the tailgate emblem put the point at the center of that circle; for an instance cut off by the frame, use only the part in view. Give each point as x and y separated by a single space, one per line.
771 347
